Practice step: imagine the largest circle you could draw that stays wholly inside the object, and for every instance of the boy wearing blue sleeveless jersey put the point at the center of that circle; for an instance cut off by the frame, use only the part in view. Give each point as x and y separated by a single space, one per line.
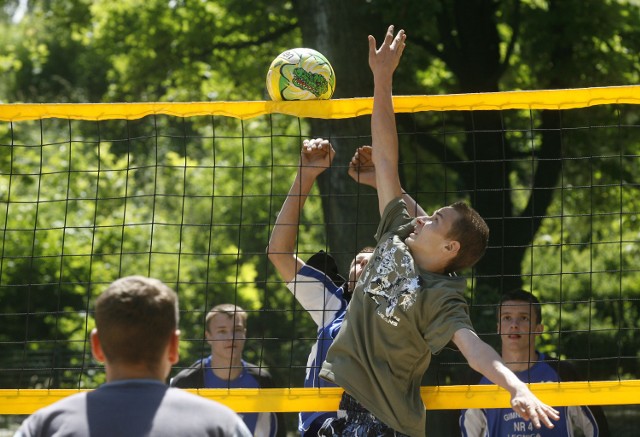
226 330
519 323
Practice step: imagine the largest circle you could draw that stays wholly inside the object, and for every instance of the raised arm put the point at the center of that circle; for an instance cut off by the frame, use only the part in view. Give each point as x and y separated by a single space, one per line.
384 135
315 157
362 170
484 359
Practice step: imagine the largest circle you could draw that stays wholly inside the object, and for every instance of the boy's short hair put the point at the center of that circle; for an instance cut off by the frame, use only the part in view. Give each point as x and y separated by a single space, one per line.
136 317
471 231
228 309
519 295
326 264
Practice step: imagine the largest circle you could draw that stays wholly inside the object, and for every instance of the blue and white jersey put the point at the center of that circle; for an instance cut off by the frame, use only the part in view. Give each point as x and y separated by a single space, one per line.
325 303
260 424
505 422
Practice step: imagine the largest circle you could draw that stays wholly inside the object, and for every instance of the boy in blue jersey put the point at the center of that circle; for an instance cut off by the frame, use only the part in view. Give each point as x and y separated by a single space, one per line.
316 283
519 323
226 329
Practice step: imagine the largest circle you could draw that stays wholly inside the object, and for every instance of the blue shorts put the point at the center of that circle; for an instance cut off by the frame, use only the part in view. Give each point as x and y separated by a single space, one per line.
356 421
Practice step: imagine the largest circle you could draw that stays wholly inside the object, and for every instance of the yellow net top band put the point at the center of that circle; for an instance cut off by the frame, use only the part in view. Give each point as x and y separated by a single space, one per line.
328 109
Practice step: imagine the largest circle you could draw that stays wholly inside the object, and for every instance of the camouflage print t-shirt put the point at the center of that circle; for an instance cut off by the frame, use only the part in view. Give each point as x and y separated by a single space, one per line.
398 317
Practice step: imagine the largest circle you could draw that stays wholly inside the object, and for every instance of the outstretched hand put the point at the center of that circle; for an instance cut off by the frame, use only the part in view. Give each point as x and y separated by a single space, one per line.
361 168
383 61
316 156
529 407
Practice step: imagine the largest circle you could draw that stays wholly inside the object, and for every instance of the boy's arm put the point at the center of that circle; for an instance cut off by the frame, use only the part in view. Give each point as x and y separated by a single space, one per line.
362 170
315 157
484 359
384 135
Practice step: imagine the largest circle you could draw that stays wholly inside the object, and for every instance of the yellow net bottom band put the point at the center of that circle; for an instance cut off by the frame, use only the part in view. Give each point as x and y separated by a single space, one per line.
26 401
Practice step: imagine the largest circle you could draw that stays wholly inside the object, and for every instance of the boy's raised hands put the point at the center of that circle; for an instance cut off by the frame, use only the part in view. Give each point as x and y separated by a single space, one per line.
316 156
361 168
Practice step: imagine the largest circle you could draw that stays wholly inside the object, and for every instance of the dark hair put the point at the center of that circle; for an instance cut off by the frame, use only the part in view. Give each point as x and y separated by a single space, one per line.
135 318
522 296
228 309
326 264
366 249
471 231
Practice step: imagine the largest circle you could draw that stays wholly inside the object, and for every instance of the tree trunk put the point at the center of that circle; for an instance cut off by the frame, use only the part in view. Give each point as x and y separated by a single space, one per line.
339 30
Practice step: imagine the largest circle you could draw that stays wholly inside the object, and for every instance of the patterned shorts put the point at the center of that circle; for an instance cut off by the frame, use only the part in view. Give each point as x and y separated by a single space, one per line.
355 421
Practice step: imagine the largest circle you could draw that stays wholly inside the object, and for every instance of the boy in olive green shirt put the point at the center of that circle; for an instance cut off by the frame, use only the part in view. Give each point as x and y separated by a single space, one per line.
408 303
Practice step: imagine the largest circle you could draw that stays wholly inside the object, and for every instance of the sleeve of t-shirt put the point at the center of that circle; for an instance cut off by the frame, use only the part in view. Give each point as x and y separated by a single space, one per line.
394 217
317 294
26 428
447 313
50 419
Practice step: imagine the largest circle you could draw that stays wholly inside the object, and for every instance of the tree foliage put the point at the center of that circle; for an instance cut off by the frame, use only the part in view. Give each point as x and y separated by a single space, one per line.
551 220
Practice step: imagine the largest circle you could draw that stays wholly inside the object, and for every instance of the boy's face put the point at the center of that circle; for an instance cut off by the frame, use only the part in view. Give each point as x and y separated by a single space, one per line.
518 325
357 267
227 335
430 233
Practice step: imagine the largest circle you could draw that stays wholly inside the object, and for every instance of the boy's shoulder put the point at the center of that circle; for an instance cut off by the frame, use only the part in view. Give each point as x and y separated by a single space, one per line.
445 283
190 377
395 218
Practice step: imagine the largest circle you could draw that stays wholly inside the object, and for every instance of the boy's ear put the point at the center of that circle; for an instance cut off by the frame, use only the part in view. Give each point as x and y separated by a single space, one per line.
96 346
453 247
174 350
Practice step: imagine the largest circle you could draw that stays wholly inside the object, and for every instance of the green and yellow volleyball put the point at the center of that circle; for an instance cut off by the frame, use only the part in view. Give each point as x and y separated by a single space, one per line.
300 74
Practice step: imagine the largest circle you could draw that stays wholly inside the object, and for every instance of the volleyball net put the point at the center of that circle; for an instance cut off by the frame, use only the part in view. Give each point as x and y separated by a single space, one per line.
189 192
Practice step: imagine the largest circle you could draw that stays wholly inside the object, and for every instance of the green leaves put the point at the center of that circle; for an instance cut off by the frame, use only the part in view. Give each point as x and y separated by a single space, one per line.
192 200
